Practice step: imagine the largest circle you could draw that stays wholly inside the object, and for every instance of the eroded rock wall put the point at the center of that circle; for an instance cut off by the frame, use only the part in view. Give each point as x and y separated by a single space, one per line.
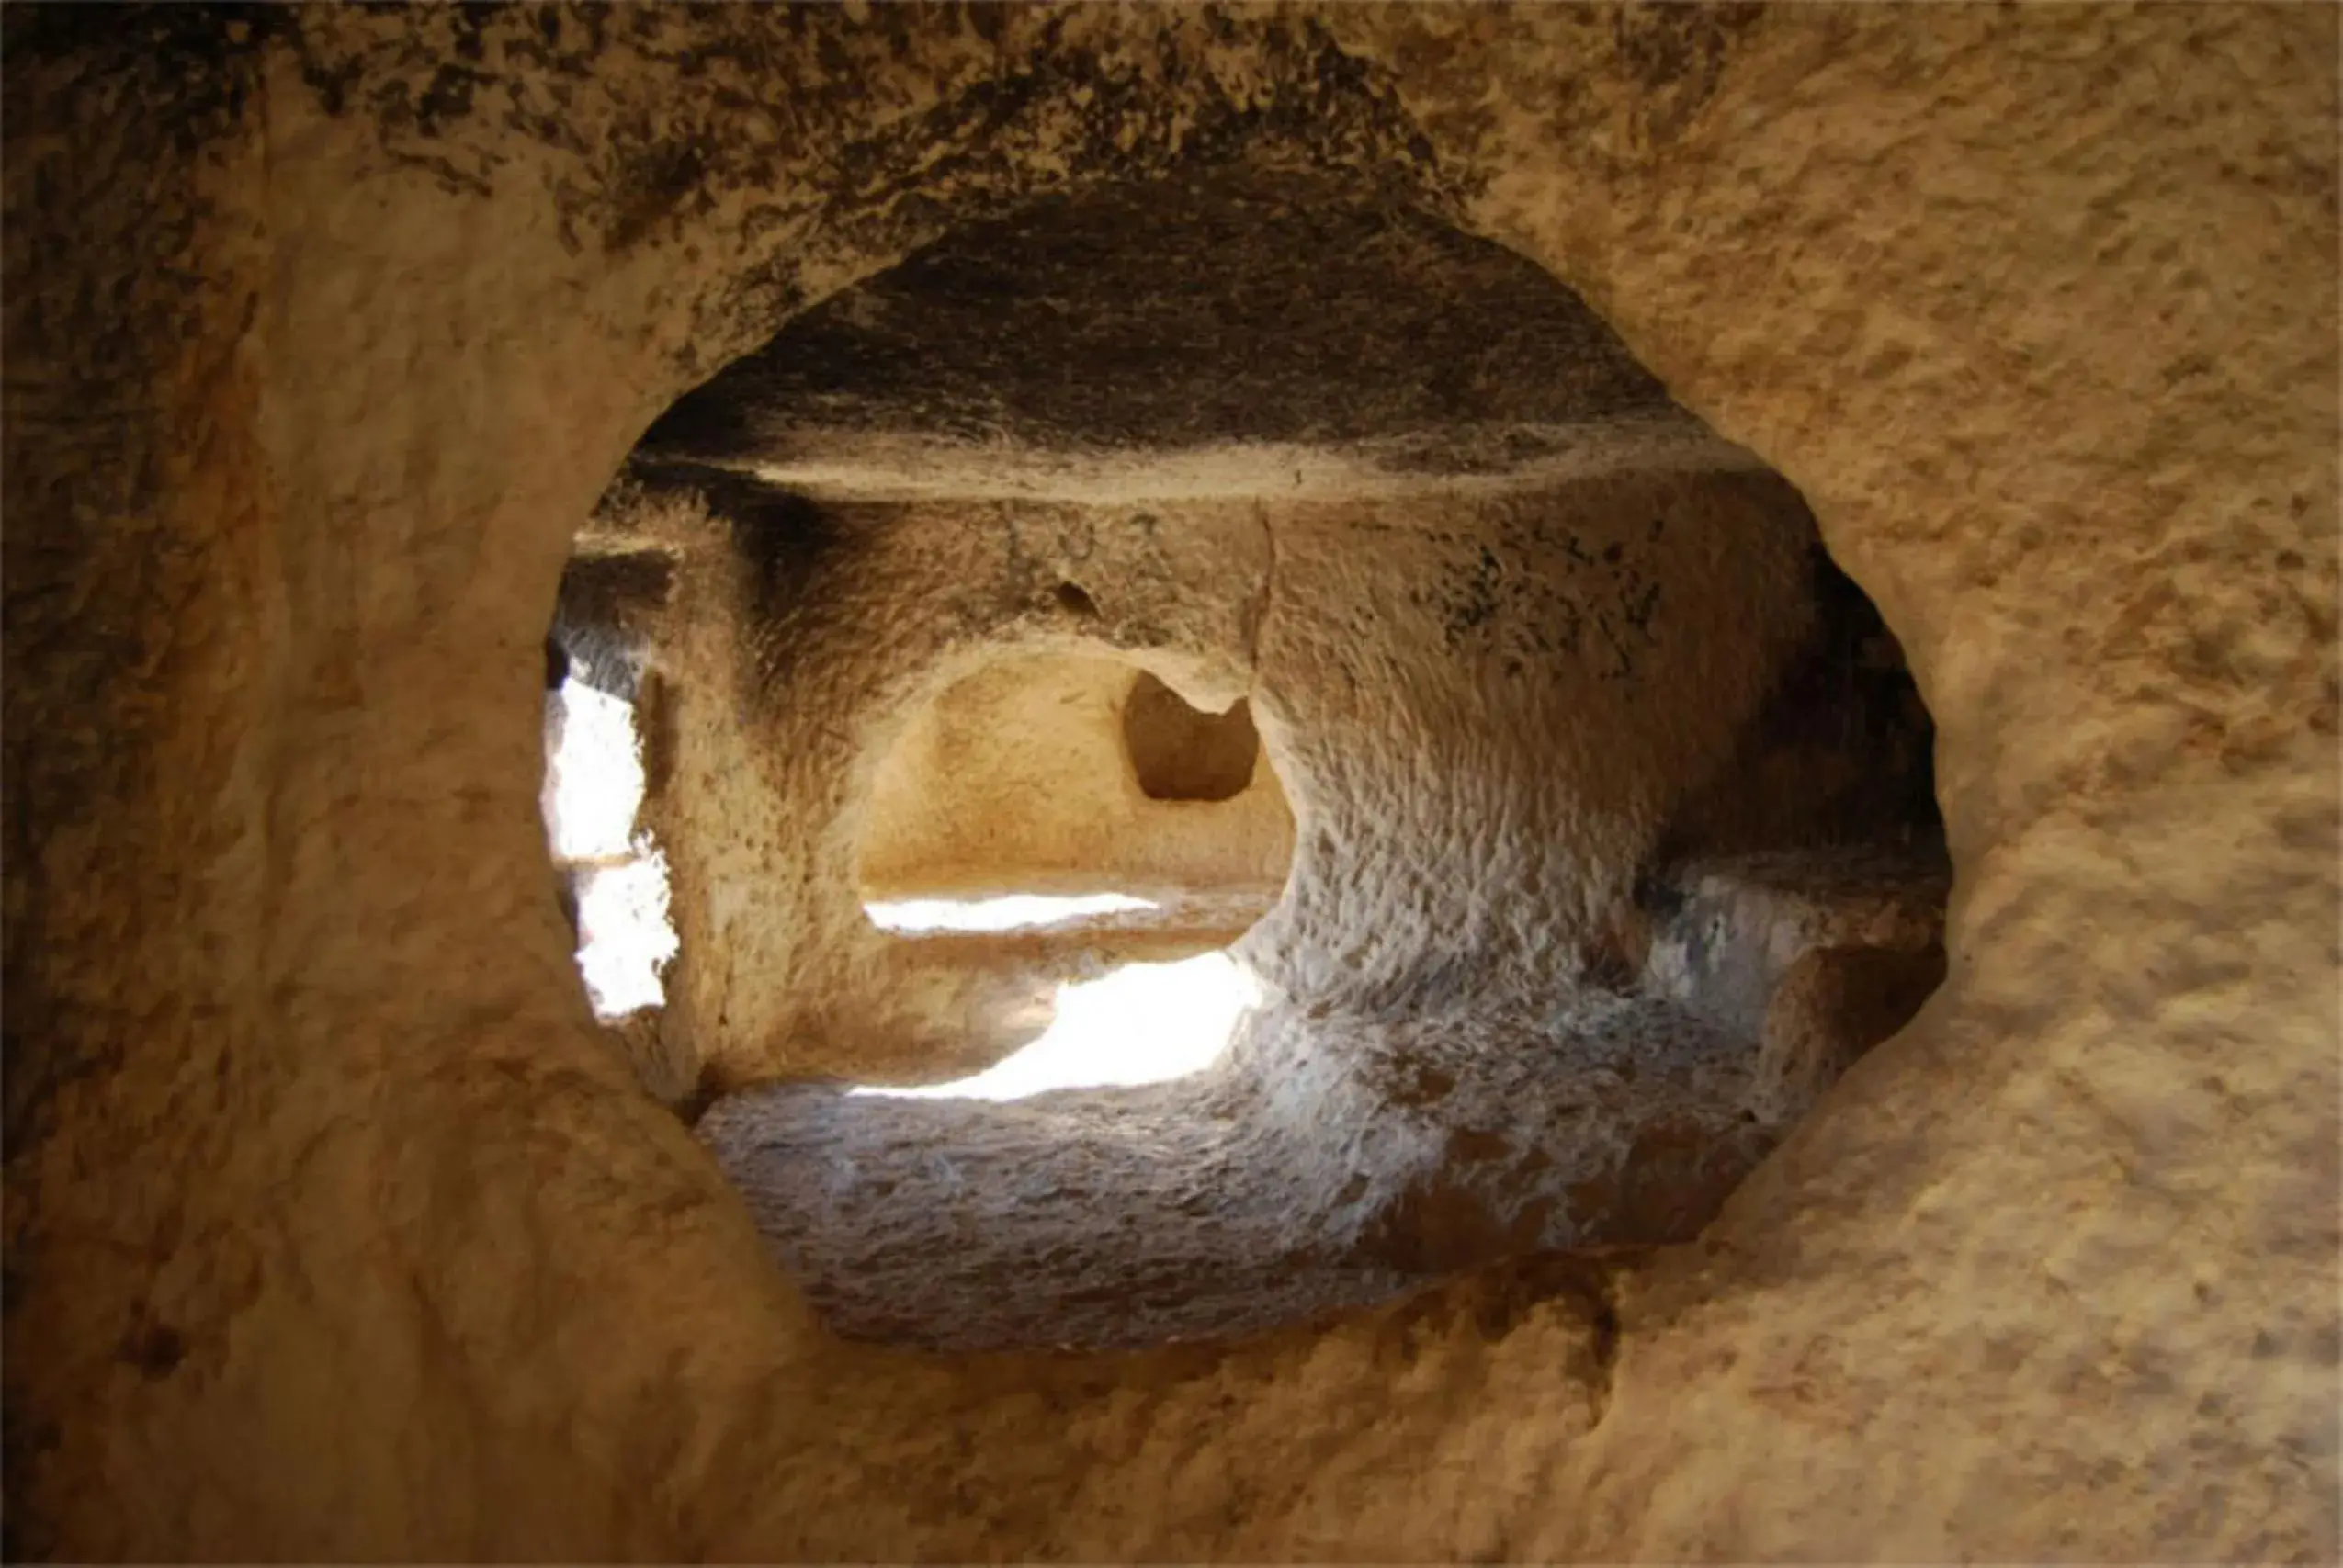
797 672
1484 704
1021 779
333 1231
1481 708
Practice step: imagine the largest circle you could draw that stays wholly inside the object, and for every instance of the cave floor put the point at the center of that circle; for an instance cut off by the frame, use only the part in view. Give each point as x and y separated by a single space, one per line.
1324 1159
1215 1205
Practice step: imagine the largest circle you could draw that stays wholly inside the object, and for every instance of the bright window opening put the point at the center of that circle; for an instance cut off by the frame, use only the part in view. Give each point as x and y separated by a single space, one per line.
618 877
1017 911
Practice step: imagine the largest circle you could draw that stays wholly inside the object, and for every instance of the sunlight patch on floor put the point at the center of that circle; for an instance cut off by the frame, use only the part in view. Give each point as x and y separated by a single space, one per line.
1144 1023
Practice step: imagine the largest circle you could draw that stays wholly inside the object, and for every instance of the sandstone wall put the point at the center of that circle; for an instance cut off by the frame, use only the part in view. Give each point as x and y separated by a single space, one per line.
1479 708
1024 777
332 1230
794 682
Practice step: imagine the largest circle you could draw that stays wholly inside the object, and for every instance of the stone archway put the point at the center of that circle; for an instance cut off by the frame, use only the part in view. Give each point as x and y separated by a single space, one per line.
2036 309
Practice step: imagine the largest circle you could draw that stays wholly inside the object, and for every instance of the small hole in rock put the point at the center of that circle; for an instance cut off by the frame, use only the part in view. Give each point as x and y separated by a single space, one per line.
1179 752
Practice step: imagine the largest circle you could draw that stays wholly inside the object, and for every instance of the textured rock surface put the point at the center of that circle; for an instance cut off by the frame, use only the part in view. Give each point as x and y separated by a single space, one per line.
334 1229
1026 775
1219 1204
1226 324
1453 689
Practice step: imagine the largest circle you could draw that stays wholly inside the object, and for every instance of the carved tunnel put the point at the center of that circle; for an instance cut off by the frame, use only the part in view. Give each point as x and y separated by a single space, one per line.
906 386
1600 836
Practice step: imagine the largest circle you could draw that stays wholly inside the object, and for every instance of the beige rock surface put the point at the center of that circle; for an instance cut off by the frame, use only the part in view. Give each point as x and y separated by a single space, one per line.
1024 777
334 1229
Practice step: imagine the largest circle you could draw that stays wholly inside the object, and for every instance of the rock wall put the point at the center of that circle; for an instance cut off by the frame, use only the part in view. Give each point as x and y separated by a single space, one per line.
1028 776
333 1230
1455 691
794 682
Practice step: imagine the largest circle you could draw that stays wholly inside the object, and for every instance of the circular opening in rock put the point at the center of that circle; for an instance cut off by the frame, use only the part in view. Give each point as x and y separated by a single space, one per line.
1013 813
1600 838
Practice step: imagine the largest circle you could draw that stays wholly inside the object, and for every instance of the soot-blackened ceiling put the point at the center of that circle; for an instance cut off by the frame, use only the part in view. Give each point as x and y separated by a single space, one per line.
1237 306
